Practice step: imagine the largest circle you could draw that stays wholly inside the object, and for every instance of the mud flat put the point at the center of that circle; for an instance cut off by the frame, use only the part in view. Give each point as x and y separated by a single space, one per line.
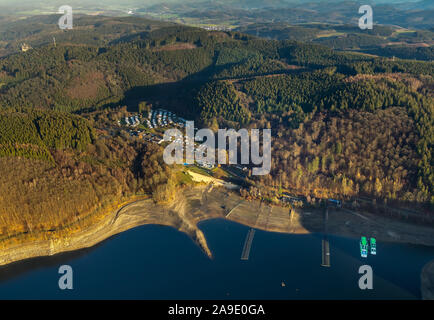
203 202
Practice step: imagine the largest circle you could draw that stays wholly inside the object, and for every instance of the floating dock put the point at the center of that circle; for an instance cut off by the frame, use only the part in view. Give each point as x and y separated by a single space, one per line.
325 252
248 245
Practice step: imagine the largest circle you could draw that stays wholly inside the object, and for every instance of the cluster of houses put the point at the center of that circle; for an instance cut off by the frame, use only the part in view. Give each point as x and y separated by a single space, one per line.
150 137
287 198
163 118
132 121
145 135
179 138
160 118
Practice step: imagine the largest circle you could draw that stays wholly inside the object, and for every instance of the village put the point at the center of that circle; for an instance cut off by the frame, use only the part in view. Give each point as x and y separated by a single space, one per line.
149 128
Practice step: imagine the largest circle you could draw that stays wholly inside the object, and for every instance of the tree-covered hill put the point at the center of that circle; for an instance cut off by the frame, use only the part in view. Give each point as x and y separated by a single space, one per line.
344 124
71 78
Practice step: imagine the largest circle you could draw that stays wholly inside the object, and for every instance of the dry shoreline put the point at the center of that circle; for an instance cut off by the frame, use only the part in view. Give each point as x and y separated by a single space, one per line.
204 202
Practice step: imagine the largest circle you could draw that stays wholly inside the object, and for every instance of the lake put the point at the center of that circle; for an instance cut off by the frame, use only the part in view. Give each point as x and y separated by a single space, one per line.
157 262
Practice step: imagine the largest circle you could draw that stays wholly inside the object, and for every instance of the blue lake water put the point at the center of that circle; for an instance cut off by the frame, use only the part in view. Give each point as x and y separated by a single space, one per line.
156 262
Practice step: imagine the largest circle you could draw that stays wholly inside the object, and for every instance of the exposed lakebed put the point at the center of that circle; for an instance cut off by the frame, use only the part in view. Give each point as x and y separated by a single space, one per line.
157 262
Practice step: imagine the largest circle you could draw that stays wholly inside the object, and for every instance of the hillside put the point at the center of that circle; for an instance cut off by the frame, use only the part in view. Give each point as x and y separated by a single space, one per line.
344 124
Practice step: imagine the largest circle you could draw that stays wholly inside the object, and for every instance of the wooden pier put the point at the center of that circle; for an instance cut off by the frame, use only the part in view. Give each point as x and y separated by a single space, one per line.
248 245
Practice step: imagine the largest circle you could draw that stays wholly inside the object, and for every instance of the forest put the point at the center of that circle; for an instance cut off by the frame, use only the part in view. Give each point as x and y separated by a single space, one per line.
291 104
344 124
